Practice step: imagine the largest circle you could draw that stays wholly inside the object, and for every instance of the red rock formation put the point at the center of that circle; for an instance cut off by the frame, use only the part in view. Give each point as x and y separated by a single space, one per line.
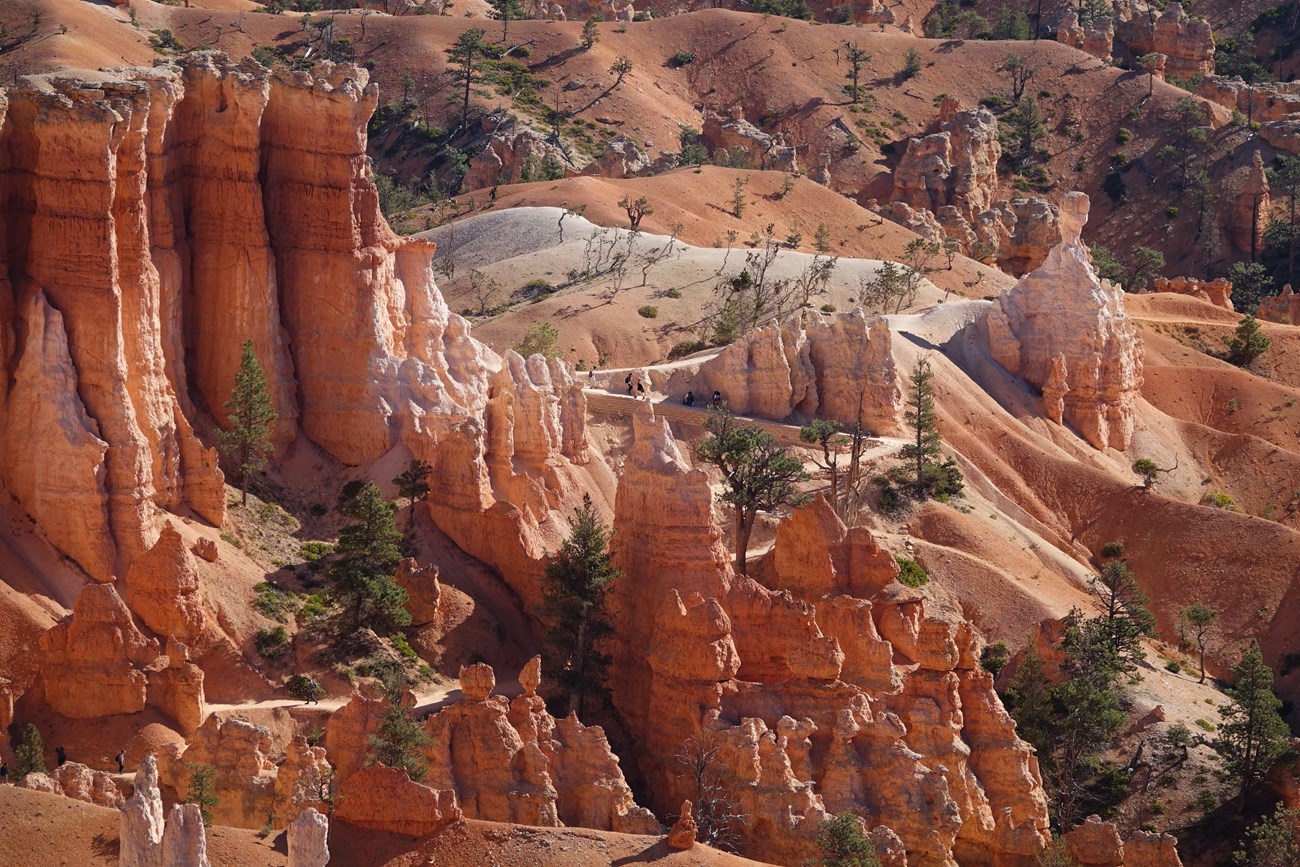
1061 323
512 152
957 165
245 784
162 588
385 799
752 676
1217 292
735 135
76 781
1096 38
1250 210
682 834
1097 844
1283 307
811 365
94 659
1187 42
514 762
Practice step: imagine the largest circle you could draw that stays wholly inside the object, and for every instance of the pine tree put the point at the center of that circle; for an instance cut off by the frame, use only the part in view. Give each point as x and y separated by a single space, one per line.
1253 735
251 416
506 11
1248 343
856 57
1272 841
927 474
758 475
465 61
201 789
413 484
1197 619
29 758
574 588
1125 618
367 554
842 844
400 739
1020 132
590 33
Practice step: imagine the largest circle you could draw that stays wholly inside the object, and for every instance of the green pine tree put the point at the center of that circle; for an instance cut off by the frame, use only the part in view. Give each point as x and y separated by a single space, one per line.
201 789
465 63
400 740
841 843
574 588
1248 343
29 758
926 473
506 11
251 416
1253 735
413 484
366 557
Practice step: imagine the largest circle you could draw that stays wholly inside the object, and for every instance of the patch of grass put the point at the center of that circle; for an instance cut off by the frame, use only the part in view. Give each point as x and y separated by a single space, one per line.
648 312
272 642
273 603
1205 724
910 573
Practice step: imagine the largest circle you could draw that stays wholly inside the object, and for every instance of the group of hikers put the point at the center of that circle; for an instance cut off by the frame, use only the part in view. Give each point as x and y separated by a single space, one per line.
637 385
61 756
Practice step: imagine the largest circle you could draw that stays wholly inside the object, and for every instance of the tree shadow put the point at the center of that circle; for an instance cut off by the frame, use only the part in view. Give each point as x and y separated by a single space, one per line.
105 846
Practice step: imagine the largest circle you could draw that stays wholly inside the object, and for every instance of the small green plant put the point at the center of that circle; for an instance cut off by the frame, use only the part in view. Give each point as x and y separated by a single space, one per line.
828 308
681 58
299 687
1233 404
1124 136
1111 550
313 552
910 573
402 646
272 642
1219 500
541 338
672 293
1171 212
1205 724
1205 802
538 286
201 789
995 657
648 312
1173 666
273 603
912 65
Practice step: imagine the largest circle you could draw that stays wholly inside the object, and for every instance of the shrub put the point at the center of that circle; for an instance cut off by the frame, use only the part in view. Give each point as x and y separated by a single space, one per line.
1114 187
910 573
648 312
315 551
672 293
273 603
1208 726
1171 212
828 308
272 642
299 686
1218 500
538 286
1124 136
681 58
402 646
685 348
1173 666
994 657
1112 549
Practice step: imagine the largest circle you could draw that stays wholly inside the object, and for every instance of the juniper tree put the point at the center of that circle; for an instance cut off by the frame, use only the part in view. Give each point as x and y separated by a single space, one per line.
413 484
1125 619
1253 735
251 417
574 588
758 474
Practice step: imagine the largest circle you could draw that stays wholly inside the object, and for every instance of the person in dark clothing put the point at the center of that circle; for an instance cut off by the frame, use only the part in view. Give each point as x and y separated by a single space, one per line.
628 380
61 755
4 773
717 398
640 388
313 689
689 400
121 762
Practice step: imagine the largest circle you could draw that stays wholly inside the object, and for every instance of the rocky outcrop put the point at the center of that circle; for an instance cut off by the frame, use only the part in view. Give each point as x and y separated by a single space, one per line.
94 660
956 165
514 762
381 798
622 159
162 588
515 154
76 781
735 135
756 674
1263 102
682 834
184 840
1097 844
1022 232
1217 292
141 830
1283 307
809 365
1095 37
309 840
1188 42
1250 210
1064 331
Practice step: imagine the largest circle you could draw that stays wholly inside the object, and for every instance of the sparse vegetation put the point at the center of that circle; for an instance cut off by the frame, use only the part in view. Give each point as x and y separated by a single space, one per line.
910 573
541 338
250 419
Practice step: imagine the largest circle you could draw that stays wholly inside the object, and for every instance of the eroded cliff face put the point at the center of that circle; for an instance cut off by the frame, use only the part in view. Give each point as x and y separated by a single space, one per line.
820 686
1065 331
155 219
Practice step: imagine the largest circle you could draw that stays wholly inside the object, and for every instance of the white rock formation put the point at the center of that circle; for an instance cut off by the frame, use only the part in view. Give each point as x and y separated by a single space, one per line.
184 842
1065 332
309 840
141 831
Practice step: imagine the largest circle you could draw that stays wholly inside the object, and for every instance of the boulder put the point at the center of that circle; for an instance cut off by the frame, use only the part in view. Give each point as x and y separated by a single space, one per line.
309 840
380 798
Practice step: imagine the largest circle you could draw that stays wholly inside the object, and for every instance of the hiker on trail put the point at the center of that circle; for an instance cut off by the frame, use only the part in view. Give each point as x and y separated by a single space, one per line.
591 374
313 689
4 773
717 398
629 383
61 755
120 758
689 400
640 389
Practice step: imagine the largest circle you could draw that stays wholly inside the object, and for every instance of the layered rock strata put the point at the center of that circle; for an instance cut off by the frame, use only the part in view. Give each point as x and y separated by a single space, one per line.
809 365
1217 292
1187 42
1065 332
826 688
1283 307
956 165
165 216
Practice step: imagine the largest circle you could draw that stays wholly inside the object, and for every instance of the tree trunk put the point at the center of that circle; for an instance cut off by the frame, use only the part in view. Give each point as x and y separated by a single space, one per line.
744 526
1202 680
579 665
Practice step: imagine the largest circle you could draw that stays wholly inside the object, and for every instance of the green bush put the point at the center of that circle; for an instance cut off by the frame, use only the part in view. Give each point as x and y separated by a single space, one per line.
314 551
1124 136
648 312
1173 666
672 293
1171 212
681 58
910 573
1218 500
402 646
828 308
994 657
273 603
685 348
272 642
1112 550
299 686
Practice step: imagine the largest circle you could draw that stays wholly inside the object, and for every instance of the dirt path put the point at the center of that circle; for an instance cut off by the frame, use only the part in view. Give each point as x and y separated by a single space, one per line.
428 700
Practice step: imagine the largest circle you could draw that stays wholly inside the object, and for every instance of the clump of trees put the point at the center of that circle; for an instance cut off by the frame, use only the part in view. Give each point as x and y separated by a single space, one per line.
574 590
758 474
841 843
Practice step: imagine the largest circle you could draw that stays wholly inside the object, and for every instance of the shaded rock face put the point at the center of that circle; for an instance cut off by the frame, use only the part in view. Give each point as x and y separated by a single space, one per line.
166 215
1187 42
957 165
810 365
511 761
790 680
1096 38
1217 292
737 136
1064 331
514 154
385 799
1250 210
1283 307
